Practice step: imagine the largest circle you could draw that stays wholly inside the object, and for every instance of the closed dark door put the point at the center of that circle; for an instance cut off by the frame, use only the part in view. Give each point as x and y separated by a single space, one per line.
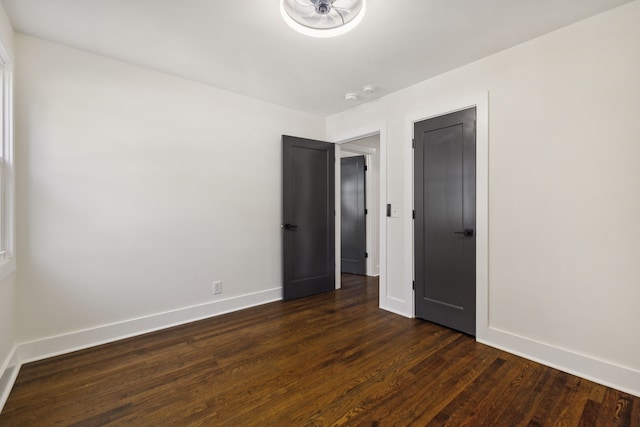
353 228
308 221
445 220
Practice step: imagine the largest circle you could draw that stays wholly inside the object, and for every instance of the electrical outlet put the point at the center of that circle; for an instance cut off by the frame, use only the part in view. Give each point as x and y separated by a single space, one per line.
217 287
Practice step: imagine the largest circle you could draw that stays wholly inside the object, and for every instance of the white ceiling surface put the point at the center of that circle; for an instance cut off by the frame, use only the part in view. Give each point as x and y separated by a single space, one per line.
245 46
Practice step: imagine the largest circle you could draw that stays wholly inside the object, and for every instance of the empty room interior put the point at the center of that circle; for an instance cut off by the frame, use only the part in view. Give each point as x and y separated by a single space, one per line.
320 212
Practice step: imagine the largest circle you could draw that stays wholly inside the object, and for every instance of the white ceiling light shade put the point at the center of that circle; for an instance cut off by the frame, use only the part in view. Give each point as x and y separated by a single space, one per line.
322 18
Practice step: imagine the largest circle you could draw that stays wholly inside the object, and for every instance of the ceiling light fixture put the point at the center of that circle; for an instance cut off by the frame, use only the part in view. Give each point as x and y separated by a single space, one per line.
351 96
322 18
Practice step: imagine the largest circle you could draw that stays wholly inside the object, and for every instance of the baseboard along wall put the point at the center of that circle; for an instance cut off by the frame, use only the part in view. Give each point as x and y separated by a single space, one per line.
79 340
602 372
599 371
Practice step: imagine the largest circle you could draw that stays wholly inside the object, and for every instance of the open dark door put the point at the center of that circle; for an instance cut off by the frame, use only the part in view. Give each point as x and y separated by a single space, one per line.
445 220
353 222
308 217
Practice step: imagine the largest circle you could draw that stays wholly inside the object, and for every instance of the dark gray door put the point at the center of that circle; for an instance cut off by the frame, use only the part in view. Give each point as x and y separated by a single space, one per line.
308 220
445 220
353 223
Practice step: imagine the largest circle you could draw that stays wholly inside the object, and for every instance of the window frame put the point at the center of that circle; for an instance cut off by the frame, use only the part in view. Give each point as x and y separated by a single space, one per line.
7 185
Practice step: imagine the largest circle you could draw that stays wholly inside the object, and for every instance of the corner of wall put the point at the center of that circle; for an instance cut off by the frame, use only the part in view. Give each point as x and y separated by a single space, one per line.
8 375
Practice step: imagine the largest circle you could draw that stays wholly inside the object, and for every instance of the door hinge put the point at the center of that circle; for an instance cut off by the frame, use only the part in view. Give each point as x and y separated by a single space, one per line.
414 214
413 143
414 285
366 255
366 211
366 168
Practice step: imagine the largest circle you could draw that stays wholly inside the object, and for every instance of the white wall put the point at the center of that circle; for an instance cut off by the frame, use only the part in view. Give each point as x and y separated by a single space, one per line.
563 192
138 189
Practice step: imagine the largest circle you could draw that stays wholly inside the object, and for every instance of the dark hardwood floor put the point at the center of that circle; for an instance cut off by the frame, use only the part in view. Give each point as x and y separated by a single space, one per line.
331 359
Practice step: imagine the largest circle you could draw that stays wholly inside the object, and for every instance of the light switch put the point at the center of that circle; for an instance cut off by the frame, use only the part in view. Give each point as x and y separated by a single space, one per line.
394 212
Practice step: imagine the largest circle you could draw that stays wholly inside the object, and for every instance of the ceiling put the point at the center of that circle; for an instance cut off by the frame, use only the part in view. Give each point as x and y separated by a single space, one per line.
245 46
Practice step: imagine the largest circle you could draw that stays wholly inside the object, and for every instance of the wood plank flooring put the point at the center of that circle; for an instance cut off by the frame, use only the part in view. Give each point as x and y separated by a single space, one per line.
331 359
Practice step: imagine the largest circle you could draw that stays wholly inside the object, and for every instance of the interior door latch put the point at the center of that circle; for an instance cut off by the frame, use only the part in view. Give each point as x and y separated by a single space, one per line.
467 232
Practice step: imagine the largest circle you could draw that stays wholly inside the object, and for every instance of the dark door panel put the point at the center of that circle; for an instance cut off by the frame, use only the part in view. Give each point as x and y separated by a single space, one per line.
445 220
308 217
353 228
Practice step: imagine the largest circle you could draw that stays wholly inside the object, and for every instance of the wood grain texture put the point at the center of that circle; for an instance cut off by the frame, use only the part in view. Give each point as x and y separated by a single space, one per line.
331 359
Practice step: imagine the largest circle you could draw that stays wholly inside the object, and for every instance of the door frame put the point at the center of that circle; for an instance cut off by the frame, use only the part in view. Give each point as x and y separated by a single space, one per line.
481 102
379 128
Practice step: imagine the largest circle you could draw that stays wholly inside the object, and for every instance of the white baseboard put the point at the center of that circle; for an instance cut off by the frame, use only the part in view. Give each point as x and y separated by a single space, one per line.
608 374
66 343
605 373
8 373
79 340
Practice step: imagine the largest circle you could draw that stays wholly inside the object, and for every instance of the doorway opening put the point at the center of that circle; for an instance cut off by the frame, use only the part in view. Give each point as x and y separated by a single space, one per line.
359 214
